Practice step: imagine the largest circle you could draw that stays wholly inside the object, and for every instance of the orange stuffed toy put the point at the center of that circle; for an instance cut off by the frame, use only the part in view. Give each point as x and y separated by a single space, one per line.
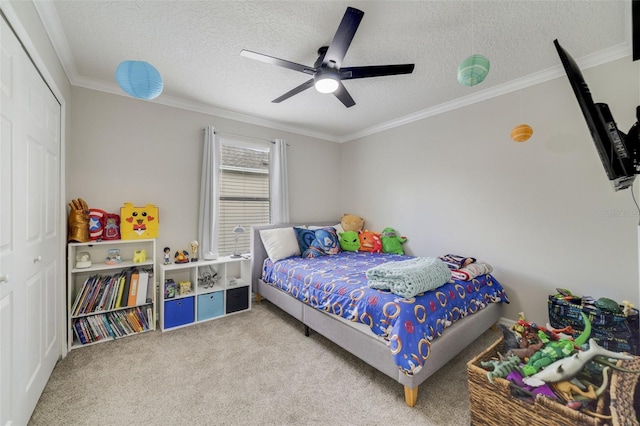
370 241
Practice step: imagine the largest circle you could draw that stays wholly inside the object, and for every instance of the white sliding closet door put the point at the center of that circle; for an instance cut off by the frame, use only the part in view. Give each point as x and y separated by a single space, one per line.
29 231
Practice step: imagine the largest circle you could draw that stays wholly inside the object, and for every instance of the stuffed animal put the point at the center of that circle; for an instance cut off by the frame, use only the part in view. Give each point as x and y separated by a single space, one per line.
351 222
349 241
391 242
370 241
325 242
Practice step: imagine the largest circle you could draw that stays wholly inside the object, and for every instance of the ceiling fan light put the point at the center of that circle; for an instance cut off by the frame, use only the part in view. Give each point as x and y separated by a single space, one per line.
326 84
473 70
139 79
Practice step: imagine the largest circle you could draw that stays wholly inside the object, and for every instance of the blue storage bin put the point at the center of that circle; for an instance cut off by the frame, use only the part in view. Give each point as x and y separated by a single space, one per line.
210 305
179 312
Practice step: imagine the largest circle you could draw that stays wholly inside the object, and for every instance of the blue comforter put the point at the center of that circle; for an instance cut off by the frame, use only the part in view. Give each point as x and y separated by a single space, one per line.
337 284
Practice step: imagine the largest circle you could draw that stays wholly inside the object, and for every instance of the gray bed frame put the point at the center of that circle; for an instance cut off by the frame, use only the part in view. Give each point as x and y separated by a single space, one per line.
365 345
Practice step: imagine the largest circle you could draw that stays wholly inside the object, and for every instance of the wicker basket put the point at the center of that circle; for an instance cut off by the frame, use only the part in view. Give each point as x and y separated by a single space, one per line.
492 403
624 387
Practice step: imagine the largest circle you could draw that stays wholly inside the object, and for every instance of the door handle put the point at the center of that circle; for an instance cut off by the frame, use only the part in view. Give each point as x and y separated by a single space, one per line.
4 278
37 259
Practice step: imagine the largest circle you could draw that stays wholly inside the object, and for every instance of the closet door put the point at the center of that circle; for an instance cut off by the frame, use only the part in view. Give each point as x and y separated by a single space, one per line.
29 234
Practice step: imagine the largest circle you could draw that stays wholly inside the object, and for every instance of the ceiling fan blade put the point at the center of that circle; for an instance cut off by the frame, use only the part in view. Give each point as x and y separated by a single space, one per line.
349 73
344 96
304 86
276 61
342 39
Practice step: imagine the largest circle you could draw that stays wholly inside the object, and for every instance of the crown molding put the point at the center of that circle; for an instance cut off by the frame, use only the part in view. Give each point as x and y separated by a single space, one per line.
52 24
617 52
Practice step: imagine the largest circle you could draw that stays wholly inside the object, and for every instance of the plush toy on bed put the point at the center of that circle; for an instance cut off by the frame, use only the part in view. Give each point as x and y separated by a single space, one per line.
349 241
391 241
325 243
351 222
370 241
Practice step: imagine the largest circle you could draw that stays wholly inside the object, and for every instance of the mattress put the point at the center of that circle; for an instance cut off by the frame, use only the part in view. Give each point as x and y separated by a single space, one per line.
337 285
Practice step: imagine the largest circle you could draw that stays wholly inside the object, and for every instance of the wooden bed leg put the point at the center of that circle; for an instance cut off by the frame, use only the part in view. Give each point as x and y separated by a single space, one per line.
306 331
411 396
494 327
258 298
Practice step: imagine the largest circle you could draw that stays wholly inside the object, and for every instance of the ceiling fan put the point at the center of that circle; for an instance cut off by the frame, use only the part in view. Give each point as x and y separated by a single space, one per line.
327 71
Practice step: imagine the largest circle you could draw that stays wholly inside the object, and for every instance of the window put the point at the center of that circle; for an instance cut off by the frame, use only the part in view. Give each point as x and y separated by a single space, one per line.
244 194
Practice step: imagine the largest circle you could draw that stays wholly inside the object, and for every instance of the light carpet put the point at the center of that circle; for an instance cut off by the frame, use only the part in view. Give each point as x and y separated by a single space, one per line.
252 368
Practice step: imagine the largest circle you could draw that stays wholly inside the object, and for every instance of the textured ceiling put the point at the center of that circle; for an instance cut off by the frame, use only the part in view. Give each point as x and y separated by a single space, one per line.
196 47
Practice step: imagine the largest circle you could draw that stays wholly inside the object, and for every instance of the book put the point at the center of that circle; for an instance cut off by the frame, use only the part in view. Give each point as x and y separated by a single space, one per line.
123 278
127 284
86 287
101 306
79 333
151 285
133 288
91 289
169 288
143 280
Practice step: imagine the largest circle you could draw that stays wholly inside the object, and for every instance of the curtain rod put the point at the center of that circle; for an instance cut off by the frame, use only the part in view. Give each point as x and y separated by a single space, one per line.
241 136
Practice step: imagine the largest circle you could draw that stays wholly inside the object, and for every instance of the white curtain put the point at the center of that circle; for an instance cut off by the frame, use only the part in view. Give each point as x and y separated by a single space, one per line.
209 193
279 184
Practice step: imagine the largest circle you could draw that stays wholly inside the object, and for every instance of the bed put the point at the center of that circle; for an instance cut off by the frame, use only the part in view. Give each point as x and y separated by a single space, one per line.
435 345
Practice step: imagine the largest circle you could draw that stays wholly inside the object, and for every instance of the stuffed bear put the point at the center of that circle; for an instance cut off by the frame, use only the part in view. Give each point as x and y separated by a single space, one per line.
351 222
349 241
391 242
370 241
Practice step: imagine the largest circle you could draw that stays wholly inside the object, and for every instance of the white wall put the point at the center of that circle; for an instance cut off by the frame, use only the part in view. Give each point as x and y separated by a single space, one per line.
541 212
125 150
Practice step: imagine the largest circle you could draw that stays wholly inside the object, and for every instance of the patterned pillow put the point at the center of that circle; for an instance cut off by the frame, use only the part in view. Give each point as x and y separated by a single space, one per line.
326 242
305 237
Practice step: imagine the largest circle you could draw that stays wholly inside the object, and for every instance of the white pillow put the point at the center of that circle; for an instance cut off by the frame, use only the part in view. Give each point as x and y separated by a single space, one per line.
280 243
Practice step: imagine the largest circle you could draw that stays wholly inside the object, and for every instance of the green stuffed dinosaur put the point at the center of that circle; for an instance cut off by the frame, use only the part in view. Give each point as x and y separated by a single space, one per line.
391 241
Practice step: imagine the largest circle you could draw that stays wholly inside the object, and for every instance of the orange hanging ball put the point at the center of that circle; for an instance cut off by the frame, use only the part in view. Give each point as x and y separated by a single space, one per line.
521 133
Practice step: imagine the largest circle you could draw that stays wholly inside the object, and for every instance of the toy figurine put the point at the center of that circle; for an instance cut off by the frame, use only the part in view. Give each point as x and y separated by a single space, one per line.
140 256
194 250
181 257
167 255
113 257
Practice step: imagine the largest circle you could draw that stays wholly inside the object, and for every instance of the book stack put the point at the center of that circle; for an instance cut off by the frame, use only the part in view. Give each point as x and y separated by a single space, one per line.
131 287
109 307
112 325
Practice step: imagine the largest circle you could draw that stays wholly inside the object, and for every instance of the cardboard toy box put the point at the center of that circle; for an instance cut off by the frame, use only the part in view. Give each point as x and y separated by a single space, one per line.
138 222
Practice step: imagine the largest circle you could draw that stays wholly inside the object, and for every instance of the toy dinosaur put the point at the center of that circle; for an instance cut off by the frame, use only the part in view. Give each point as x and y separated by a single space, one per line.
527 352
567 368
554 350
501 368
568 390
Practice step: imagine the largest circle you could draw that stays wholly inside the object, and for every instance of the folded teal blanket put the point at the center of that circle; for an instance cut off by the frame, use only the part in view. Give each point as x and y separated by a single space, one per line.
407 278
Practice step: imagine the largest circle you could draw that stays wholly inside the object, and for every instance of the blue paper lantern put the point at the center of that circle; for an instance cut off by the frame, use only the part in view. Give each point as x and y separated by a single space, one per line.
473 70
139 79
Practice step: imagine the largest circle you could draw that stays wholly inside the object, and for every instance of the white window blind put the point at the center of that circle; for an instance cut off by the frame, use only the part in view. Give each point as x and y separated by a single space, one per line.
244 195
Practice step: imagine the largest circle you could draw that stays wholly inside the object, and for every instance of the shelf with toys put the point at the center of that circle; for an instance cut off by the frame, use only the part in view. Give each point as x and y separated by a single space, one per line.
111 273
111 290
202 290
